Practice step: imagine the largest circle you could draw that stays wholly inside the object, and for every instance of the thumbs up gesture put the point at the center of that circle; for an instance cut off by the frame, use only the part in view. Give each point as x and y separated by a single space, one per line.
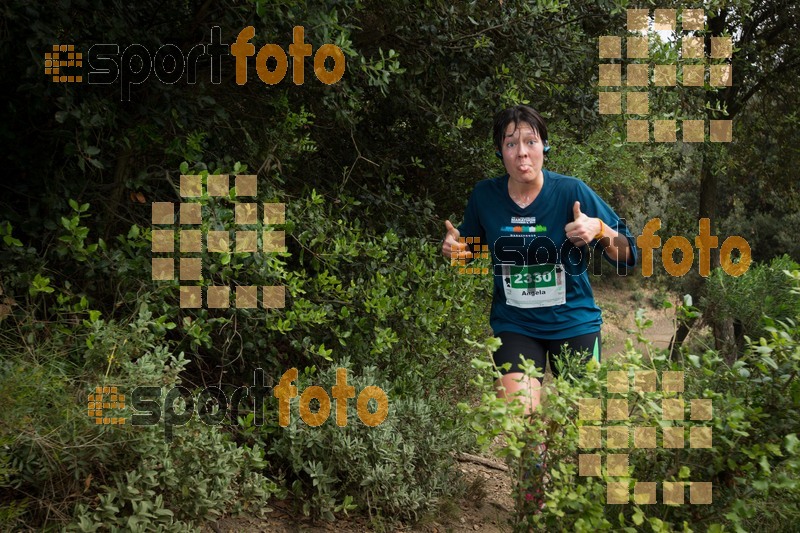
451 244
583 229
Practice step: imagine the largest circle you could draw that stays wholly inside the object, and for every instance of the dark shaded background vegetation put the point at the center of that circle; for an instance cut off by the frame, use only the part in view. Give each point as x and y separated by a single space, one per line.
369 168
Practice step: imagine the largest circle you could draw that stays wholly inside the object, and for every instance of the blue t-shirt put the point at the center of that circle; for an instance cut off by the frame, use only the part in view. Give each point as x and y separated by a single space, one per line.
541 280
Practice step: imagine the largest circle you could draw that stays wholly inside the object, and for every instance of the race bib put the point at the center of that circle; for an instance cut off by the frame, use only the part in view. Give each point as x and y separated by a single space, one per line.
534 285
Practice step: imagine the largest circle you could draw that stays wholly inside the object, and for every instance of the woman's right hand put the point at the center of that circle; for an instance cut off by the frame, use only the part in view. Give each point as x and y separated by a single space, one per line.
451 244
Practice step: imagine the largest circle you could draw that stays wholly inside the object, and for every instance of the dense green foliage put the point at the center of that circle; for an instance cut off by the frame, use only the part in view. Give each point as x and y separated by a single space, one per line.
753 464
368 169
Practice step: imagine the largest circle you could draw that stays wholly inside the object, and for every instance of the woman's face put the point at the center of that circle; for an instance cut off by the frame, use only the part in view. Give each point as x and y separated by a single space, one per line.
523 153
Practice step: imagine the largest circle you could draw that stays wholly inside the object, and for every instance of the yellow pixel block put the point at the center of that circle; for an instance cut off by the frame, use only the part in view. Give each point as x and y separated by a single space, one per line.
617 464
637 75
673 437
700 437
218 185
589 464
190 297
617 409
274 241
720 75
163 213
617 492
701 409
247 241
693 19
637 47
664 75
672 380
700 493
644 437
218 241
644 493
191 213
617 437
610 47
664 19
191 186
590 409
163 240
664 131
694 75
589 437
274 213
191 240
610 75
274 297
693 131
246 185
610 103
246 213
163 268
644 381
190 268
637 19
672 408
721 131
617 381
692 48
673 492
218 297
246 297
721 47
638 103
638 131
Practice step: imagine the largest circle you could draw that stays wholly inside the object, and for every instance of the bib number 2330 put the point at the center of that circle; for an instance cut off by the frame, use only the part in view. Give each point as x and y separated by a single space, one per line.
534 285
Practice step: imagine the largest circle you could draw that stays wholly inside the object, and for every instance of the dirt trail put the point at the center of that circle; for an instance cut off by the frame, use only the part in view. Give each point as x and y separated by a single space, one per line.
487 505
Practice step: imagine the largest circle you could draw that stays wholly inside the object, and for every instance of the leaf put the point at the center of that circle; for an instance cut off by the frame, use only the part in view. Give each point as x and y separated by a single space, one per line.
73 204
791 443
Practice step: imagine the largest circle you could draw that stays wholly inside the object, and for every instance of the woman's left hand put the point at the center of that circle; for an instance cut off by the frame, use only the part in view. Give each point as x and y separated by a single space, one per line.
583 229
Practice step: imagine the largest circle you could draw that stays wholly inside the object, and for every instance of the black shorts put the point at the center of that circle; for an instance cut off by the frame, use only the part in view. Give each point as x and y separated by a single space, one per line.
538 350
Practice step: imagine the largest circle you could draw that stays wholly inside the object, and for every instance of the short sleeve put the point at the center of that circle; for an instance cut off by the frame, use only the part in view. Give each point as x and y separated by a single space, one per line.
471 226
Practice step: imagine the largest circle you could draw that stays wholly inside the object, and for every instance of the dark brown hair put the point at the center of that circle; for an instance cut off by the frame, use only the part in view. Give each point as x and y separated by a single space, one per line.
517 114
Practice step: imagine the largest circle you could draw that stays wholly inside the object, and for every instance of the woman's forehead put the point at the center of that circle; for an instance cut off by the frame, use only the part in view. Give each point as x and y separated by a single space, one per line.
521 129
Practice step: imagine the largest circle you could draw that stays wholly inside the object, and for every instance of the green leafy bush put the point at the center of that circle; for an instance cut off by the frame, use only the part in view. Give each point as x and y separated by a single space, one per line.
397 470
753 463
744 301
